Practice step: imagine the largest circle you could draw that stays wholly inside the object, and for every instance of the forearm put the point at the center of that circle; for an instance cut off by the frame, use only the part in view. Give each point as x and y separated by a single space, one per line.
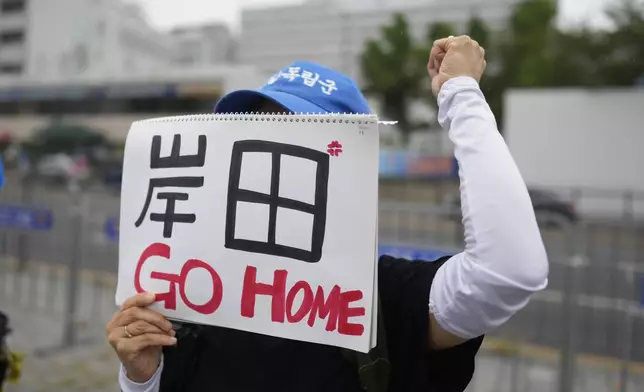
504 260
152 385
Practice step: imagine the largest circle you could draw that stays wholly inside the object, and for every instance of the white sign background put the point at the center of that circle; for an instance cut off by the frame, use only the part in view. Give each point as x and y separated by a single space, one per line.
348 255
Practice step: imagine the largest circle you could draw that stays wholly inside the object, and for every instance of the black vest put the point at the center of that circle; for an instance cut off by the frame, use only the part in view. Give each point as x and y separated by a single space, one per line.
220 359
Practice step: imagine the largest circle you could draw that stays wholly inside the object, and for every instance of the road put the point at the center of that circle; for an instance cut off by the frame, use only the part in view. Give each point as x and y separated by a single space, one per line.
90 366
602 261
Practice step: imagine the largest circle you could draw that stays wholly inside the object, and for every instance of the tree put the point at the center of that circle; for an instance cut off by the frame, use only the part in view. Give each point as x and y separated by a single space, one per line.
531 53
439 30
478 30
60 137
622 63
523 56
394 73
491 83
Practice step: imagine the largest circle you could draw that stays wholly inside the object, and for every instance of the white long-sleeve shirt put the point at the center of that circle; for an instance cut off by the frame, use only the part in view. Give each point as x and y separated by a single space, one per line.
504 260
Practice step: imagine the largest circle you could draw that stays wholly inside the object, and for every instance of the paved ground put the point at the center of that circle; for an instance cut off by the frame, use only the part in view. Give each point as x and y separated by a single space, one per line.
36 306
38 325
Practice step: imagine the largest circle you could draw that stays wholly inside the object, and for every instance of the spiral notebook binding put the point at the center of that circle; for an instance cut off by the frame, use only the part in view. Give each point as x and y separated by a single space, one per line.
331 118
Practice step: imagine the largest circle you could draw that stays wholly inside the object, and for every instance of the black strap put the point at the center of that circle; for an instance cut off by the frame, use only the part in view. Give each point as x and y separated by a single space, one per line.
374 367
177 373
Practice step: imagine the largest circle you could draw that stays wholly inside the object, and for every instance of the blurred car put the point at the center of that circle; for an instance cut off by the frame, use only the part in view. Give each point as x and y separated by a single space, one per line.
60 168
54 168
550 209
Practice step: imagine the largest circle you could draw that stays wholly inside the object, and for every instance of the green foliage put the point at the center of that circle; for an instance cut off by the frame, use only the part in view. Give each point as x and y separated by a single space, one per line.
61 137
439 30
623 48
530 52
478 30
393 72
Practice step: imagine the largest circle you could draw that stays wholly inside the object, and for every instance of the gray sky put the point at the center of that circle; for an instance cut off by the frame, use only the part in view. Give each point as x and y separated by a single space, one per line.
169 13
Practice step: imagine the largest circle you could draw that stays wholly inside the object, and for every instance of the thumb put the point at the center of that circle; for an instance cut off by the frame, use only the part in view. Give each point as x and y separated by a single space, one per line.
437 83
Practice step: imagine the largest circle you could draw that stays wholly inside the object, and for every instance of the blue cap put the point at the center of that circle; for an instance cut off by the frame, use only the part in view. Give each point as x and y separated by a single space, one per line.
302 87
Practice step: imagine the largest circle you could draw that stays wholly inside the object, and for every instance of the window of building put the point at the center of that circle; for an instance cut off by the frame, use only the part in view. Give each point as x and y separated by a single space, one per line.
12 37
89 105
10 69
12 6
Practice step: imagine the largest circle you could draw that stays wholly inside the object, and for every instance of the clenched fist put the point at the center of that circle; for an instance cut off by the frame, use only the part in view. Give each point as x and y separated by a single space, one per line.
138 334
453 57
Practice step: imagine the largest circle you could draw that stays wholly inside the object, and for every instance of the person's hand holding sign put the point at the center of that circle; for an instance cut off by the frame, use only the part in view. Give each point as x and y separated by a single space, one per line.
453 57
138 334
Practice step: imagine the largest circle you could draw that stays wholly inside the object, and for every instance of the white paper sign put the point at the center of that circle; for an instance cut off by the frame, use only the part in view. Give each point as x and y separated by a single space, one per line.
265 224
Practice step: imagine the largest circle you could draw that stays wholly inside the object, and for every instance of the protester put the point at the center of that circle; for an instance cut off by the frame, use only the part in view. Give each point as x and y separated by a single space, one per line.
10 362
433 314
4 351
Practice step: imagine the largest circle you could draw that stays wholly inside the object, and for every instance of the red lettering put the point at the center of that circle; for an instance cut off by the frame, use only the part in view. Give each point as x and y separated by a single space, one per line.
217 287
305 306
322 308
344 326
161 250
251 289
334 307
157 249
170 298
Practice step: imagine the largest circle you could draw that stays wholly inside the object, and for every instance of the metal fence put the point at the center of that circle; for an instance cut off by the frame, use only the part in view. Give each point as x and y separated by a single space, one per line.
584 333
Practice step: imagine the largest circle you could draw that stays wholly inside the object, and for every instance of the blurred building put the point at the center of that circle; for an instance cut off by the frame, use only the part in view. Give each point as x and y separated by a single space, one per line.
47 39
203 45
586 139
99 63
334 32
111 104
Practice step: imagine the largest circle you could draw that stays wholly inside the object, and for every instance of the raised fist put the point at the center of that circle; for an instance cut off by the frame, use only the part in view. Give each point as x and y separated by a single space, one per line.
453 57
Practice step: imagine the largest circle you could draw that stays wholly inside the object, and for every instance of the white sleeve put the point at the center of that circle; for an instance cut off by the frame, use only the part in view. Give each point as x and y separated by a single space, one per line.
504 260
152 385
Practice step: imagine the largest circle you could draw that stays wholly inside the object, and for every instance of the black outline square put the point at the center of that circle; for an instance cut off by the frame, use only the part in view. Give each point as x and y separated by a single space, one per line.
318 209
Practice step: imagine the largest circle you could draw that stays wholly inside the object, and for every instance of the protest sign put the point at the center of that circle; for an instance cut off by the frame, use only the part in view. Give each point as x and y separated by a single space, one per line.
266 224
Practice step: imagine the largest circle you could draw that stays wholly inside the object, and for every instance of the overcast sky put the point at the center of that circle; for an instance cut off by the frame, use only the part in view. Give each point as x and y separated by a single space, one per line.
169 13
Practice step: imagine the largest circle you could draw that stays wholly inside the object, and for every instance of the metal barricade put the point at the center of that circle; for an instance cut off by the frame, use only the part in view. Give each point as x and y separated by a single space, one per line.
67 271
585 332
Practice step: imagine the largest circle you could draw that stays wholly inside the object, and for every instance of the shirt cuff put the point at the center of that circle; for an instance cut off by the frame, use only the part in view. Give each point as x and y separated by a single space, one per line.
152 385
455 85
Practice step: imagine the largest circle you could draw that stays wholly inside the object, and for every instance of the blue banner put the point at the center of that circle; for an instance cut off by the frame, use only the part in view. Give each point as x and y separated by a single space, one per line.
412 253
396 164
26 218
111 229
1 172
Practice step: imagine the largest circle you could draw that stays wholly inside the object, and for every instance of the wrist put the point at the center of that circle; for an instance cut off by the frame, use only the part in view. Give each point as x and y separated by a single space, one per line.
133 380
447 104
462 80
455 85
137 376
